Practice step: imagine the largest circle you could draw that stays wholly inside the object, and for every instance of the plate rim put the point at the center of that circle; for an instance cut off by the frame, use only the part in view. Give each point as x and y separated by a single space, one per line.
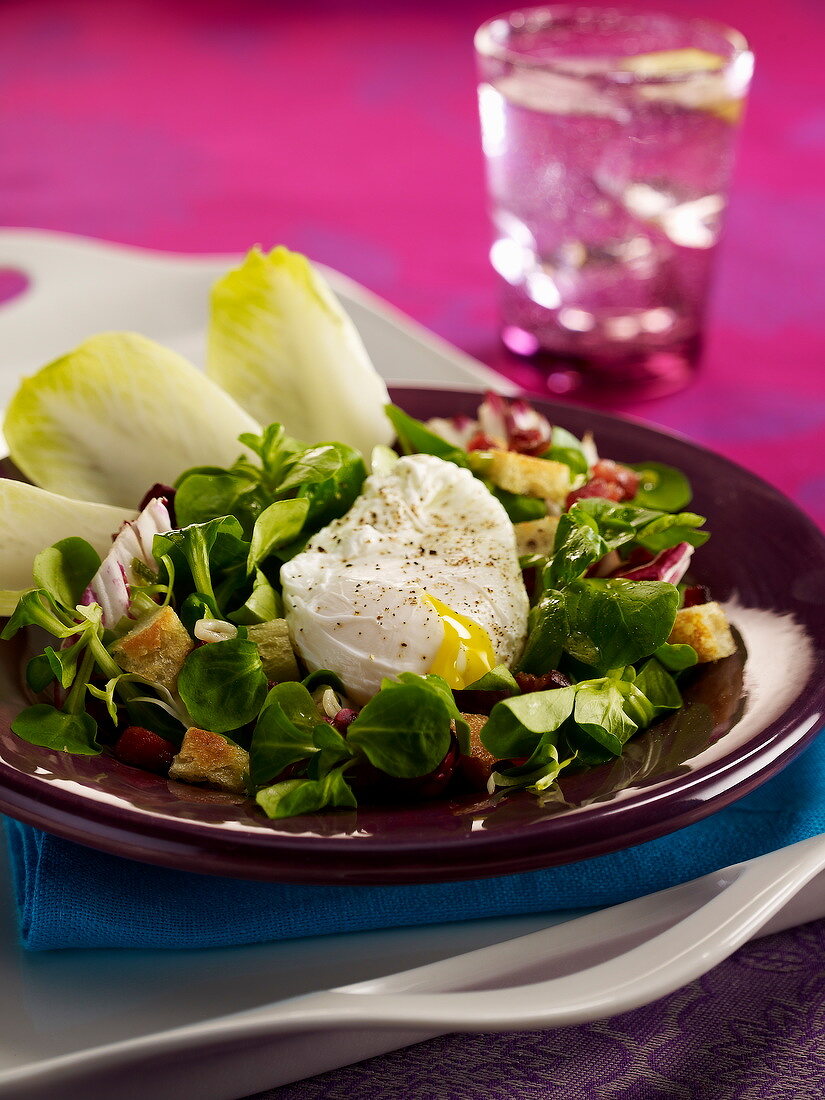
184 844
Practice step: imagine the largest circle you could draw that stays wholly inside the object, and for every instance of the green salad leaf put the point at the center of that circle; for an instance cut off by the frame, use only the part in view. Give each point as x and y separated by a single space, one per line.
329 477
514 725
567 448
285 732
578 544
548 631
276 526
416 438
613 623
661 487
537 773
205 493
600 712
305 796
518 507
658 686
51 728
198 549
589 723
676 657
404 730
261 605
623 524
65 570
499 678
223 684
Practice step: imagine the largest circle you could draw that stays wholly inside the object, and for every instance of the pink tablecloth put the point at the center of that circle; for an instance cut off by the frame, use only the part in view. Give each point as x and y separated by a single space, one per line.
349 131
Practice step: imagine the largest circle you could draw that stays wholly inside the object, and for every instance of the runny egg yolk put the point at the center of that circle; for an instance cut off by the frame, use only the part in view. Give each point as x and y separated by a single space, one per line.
466 653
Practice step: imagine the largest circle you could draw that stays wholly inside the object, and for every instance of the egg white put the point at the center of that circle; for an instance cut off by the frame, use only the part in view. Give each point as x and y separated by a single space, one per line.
353 597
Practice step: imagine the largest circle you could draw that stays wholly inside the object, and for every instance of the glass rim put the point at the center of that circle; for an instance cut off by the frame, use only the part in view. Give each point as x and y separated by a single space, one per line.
488 47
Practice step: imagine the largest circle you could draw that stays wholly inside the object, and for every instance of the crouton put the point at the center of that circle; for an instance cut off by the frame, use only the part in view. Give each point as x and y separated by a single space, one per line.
207 757
155 648
476 766
529 476
536 536
706 628
275 650
477 722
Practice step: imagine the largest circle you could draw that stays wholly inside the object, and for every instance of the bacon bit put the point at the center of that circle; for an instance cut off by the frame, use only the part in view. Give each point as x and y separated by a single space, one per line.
607 490
529 683
479 702
483 442
528 441
623 476
610 480
695 595
145 749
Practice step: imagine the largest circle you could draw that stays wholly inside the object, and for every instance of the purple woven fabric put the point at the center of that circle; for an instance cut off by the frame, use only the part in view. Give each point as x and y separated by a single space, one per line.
349 131
752 1029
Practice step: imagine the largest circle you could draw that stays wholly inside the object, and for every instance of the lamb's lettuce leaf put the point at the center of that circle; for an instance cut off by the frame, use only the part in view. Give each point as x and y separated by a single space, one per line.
65 569
616 622
199 549
329 477
518 507
661 487
404 730
658 686
548 631
590 722
676 656
223 684
304 796
277 525
499 678
537 773
261 605
515 725
416 438
284 733
567 448
43 724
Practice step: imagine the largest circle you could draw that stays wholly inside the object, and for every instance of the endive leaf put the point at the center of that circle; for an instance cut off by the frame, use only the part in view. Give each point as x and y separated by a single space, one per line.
116 415
31 518
281 344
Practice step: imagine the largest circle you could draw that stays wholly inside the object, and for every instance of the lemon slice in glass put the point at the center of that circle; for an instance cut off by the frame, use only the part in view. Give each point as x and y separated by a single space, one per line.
702 89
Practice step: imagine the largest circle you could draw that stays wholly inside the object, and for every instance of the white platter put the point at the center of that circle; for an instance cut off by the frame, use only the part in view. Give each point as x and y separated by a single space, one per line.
97 1024
78 286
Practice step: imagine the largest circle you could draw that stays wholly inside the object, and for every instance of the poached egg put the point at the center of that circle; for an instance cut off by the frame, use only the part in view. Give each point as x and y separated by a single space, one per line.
421 575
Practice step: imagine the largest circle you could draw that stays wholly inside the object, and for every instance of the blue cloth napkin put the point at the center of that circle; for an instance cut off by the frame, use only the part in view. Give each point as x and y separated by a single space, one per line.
72 896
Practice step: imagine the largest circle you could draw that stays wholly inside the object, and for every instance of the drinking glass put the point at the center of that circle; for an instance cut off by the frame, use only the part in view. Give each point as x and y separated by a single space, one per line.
608 137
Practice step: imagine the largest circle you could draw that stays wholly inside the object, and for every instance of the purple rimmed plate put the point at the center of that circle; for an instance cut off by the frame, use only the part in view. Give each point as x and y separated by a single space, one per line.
744 719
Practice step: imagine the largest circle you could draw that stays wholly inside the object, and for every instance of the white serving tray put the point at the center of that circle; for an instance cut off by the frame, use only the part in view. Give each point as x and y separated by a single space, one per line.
66 1017
59 1004
98 1024
78 287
